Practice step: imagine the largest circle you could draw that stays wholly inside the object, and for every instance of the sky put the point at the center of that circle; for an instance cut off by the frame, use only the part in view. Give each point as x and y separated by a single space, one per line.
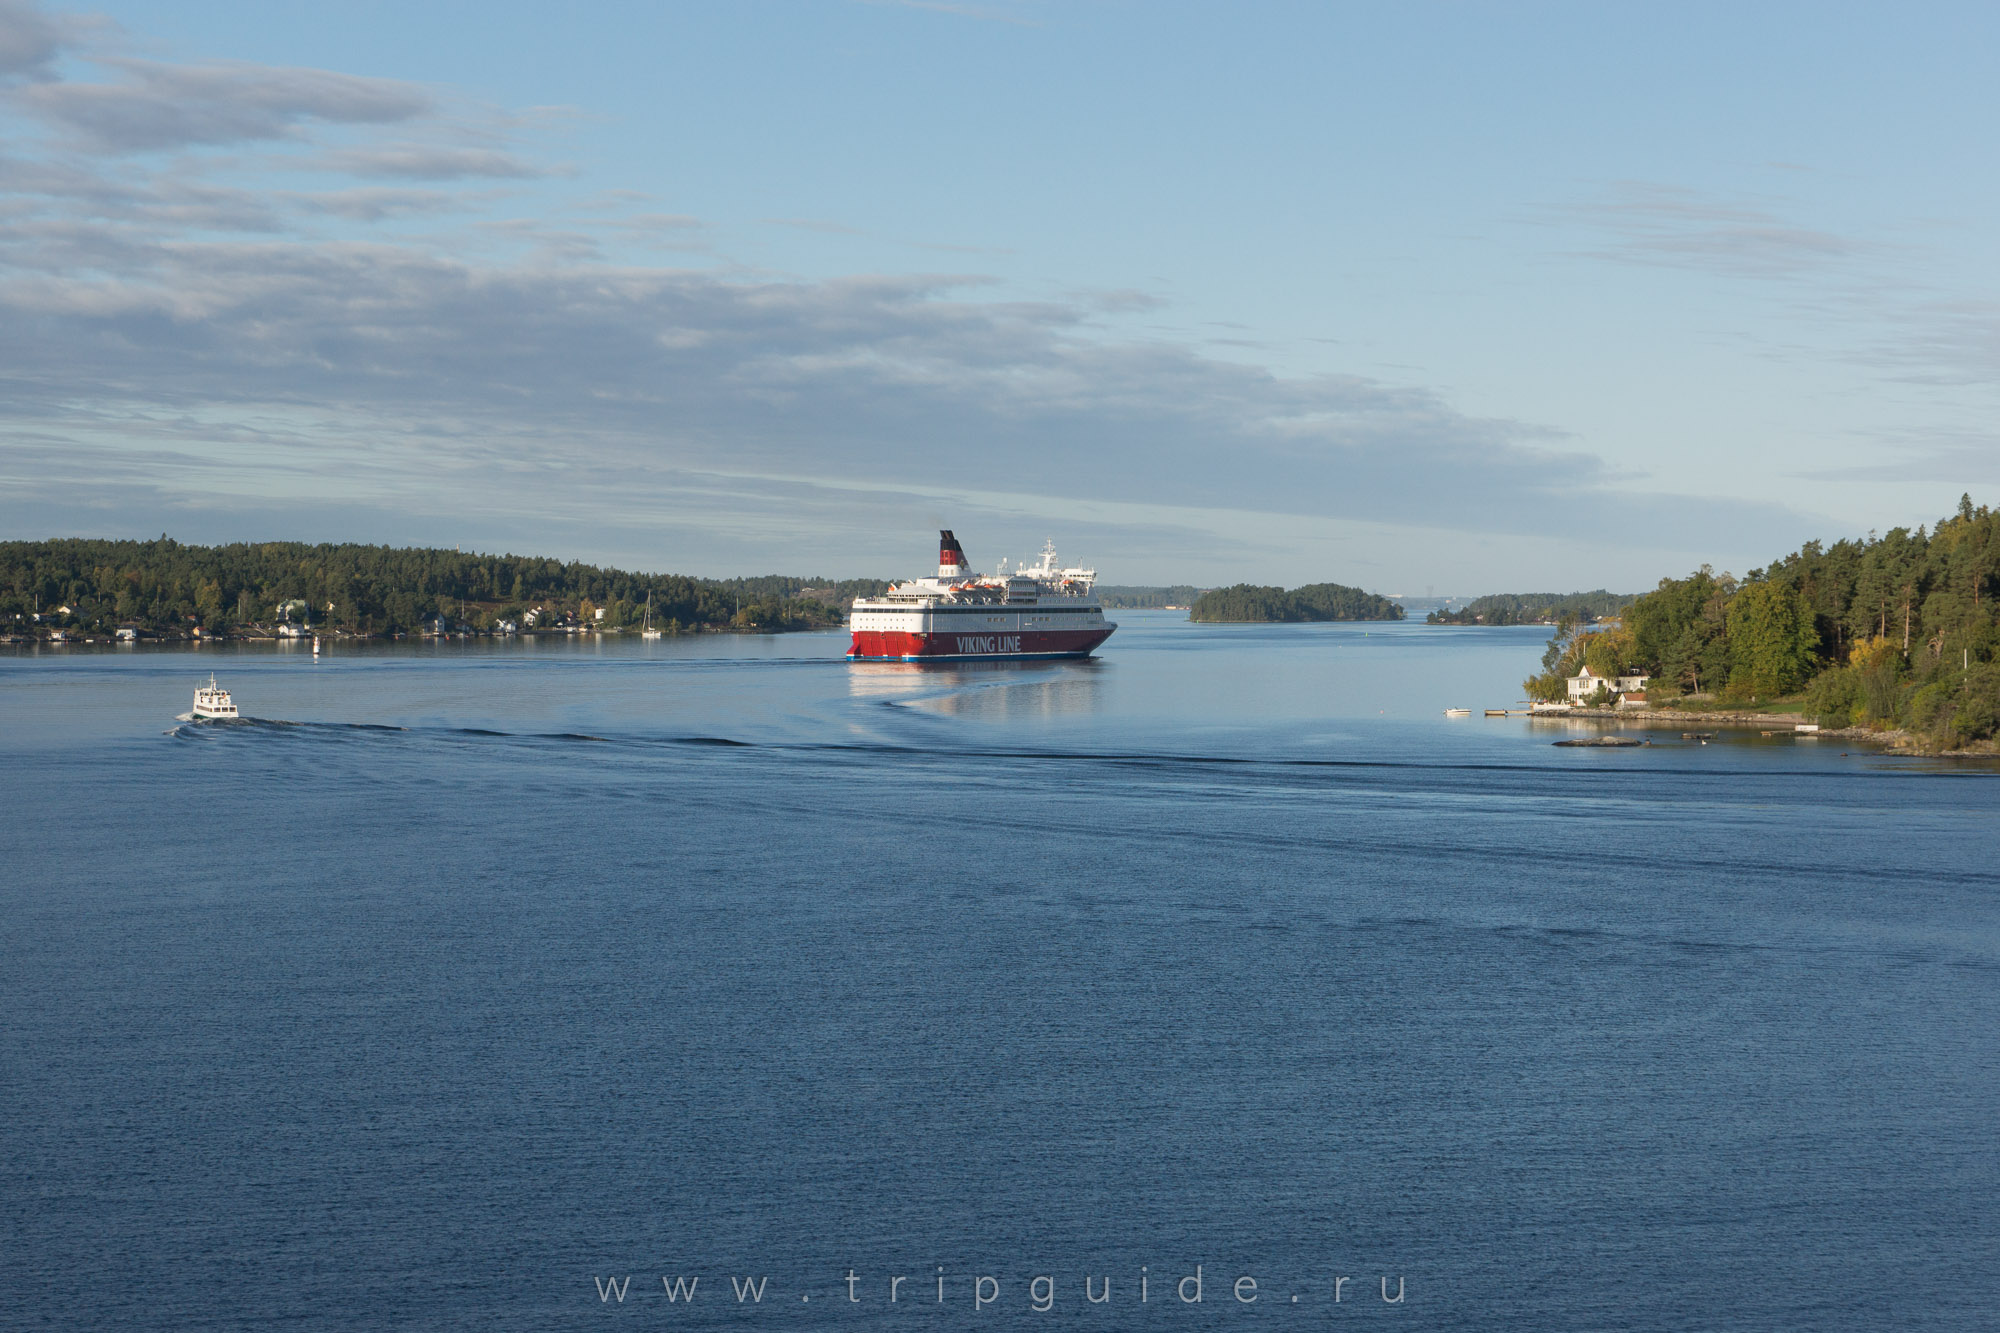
1464 298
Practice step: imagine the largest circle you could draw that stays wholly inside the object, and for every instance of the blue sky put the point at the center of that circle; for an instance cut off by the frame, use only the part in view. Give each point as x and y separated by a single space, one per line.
1470 297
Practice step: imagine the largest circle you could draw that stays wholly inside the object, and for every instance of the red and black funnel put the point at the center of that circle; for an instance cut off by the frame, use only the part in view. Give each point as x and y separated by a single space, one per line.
950 552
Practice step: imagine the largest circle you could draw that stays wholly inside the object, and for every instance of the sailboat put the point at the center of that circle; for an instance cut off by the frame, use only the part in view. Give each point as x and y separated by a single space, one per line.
649 632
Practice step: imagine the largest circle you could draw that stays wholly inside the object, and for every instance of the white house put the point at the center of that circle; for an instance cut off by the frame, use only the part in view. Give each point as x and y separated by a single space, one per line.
1586 683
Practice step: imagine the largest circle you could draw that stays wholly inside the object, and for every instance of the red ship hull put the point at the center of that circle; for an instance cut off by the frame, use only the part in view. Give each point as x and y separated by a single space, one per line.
949 646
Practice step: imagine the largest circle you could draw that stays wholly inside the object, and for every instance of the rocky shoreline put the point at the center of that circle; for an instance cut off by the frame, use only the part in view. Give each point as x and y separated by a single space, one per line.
1892 741
1687 721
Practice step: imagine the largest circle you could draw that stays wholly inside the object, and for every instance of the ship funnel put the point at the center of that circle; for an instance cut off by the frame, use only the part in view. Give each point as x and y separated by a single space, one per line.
952 563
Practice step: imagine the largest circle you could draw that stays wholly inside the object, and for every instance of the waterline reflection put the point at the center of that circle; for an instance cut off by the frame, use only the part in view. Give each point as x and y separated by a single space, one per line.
990 691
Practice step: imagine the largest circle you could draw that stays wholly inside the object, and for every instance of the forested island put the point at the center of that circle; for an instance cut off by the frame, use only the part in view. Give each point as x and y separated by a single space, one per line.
1891 632
1534 608
1314 601
1148 597
166 589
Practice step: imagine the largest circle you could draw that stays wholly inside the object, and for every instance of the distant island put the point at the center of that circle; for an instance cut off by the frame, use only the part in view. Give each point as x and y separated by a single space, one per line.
1314 601
1151 597
1895 634
165 589
1534 608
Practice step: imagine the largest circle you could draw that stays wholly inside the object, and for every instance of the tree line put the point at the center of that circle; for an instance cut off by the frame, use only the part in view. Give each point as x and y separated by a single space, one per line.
1148 597
1314 601
1534 608
1898 630
168 588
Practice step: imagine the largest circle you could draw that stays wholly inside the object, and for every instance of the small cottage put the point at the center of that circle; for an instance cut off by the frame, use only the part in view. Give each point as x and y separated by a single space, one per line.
1587 682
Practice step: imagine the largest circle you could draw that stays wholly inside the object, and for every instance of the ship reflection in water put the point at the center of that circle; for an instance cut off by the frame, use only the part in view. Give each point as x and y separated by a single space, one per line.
983 691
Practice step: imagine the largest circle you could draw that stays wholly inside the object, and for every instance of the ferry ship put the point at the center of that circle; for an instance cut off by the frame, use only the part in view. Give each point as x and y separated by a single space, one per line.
1038 610
213 701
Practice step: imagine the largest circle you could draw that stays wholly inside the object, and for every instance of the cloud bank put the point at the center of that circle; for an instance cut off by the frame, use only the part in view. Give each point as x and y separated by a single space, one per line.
174 333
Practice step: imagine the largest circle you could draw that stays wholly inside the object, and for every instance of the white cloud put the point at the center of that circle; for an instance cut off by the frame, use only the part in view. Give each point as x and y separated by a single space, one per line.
435 162
642 372
1676 227
157 106
29 39
154 356
374 203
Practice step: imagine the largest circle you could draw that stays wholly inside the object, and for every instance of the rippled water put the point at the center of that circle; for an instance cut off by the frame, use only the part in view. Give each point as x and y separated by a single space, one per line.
457 980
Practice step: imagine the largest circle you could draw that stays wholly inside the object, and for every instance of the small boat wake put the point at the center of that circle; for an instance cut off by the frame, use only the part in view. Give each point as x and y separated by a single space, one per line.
190 725
193 724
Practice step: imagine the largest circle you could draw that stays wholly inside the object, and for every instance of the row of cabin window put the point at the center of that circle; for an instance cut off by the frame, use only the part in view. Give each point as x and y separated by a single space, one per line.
986 611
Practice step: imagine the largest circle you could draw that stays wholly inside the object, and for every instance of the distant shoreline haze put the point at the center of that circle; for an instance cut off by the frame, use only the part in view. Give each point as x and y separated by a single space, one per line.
165 588
1147 597
1534 608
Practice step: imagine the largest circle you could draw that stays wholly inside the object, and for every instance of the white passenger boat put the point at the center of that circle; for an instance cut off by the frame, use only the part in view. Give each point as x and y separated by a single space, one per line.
213 701
1037 611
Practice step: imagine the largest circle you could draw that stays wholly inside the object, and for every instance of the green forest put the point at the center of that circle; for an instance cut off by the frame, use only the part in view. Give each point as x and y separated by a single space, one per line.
1146 598
167 589
1314 601
1895 631
1534 608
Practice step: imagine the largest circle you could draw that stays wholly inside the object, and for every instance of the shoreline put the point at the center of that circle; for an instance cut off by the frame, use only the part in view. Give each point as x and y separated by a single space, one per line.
1889 741
156 639
1788 721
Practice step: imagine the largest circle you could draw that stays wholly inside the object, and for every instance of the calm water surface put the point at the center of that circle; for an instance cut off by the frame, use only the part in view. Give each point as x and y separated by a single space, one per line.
465 977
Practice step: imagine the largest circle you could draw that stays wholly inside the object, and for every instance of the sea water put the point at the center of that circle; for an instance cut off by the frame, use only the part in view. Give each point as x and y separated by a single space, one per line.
1220 980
